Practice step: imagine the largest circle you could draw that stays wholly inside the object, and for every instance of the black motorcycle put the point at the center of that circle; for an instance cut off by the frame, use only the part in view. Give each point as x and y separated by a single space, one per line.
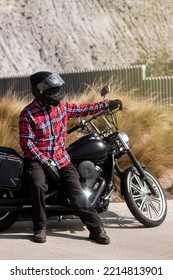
96 156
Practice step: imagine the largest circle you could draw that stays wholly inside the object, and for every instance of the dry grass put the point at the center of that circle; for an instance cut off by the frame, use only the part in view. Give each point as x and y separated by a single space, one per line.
150 130
10 107
150 127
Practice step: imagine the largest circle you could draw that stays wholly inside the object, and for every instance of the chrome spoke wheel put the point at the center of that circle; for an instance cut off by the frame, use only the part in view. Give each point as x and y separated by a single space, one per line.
147 208
7 218
4 194
151 206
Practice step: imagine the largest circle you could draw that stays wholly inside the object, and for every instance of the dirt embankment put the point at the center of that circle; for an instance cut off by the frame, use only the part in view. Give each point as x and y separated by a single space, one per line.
83 34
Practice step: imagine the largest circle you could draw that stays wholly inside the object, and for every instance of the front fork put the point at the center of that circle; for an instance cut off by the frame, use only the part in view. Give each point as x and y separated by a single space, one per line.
137 165
141 172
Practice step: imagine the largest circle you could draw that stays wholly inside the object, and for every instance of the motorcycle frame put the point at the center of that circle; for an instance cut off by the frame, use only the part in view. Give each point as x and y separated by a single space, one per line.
140 168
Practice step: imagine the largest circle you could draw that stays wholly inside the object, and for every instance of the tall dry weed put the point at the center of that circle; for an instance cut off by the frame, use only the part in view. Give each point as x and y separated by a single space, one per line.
10 107
149 127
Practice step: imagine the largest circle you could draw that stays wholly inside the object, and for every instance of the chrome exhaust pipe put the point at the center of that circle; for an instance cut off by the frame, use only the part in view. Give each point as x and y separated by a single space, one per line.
96 194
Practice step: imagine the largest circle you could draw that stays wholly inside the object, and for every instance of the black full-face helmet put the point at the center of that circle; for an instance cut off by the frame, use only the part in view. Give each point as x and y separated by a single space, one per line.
46 87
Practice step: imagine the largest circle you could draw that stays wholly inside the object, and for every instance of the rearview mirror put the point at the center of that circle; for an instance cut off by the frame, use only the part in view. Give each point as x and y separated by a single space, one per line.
105 90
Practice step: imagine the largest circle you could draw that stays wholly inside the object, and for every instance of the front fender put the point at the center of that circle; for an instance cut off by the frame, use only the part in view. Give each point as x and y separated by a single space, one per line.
124 176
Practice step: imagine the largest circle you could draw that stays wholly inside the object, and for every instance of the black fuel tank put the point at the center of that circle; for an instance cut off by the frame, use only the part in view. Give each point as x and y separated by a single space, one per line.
88 147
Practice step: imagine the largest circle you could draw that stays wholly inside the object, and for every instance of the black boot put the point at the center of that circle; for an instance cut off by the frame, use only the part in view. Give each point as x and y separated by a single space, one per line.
99 235
40 235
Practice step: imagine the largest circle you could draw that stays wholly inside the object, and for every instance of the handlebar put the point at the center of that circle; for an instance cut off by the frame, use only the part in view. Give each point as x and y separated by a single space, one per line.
74 128
82 124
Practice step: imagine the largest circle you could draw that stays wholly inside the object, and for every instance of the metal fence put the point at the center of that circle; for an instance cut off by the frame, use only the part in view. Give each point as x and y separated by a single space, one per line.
159 89
77 82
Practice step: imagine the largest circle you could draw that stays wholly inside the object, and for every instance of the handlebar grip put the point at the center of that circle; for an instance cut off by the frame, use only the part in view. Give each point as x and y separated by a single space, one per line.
73 128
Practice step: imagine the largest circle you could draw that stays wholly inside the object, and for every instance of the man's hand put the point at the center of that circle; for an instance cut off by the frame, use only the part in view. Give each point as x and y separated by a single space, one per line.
115 104
51 171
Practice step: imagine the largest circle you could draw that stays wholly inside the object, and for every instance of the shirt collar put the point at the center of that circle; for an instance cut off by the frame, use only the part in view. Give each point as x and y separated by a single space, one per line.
41 106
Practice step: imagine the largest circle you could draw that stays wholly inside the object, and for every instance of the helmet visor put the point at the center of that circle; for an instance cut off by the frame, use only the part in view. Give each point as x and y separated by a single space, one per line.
54 80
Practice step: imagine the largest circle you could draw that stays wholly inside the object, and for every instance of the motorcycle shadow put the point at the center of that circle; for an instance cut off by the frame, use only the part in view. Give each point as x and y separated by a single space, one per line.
68 227
113 220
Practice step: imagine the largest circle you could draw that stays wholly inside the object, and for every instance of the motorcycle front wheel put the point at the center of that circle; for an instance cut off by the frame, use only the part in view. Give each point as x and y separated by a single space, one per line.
7 218
148 209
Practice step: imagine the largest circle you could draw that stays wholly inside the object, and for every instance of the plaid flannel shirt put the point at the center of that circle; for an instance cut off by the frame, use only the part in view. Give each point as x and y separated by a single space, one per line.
42 129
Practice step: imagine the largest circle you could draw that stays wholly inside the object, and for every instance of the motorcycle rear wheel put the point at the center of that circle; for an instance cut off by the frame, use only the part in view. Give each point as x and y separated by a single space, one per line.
148 209
7 218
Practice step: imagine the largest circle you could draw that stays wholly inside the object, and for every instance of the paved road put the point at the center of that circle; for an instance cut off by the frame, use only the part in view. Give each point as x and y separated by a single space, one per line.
68 240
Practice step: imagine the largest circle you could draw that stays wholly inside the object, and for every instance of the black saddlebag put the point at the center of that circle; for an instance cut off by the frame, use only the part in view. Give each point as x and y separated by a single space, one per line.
11 167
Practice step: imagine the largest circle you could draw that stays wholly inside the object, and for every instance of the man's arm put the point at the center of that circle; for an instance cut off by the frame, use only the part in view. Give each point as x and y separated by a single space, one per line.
84 109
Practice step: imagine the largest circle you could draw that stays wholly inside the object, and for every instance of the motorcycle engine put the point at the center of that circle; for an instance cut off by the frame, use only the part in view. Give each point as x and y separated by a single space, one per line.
89 173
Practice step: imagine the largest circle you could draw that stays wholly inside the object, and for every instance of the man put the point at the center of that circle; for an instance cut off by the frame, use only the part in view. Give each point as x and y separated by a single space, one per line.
42 127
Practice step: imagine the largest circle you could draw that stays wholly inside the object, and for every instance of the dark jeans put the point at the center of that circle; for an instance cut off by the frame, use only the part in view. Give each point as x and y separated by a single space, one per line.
70 182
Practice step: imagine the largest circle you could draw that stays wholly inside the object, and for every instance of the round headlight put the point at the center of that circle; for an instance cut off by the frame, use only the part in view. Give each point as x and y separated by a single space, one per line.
125 137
